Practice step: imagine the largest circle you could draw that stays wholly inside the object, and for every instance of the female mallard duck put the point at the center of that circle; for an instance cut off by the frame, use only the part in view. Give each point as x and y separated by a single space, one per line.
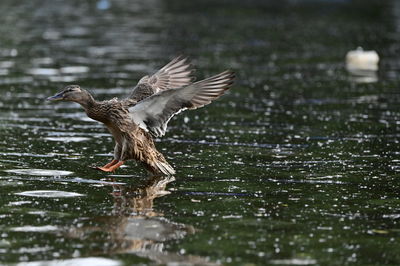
147 111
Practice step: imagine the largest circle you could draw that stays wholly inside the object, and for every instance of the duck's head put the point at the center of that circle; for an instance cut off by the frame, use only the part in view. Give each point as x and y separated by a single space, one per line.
71 93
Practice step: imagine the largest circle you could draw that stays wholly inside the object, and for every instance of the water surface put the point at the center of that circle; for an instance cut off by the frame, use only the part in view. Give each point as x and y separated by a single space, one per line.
298 165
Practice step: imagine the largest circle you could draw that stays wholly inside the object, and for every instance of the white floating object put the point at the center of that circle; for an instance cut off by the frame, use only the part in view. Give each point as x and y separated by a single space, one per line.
360 60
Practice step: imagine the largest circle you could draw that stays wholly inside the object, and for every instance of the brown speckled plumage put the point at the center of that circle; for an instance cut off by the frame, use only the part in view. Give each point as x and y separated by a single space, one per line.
147 110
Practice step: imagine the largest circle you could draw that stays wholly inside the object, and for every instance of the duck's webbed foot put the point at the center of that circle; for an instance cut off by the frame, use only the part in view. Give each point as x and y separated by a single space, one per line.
112 166
105 166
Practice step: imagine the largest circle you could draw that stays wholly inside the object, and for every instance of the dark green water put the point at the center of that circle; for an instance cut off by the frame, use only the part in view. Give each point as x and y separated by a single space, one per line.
298 164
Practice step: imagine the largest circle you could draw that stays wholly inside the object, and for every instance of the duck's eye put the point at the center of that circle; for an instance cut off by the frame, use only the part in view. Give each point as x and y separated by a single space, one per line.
71 89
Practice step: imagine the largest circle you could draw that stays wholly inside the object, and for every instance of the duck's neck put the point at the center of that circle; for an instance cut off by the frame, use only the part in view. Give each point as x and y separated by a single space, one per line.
87 102
93 108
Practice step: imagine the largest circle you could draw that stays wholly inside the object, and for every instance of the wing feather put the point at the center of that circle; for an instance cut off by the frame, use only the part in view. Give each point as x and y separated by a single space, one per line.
175 74
153 113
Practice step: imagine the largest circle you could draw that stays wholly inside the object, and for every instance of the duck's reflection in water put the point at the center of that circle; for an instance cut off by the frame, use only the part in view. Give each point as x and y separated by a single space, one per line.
136 227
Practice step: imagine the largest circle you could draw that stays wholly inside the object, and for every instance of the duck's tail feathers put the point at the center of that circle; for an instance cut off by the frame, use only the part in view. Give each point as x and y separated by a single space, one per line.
165 168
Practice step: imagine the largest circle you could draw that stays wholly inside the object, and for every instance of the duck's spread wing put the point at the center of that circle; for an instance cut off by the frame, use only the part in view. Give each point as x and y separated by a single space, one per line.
153 113
175 74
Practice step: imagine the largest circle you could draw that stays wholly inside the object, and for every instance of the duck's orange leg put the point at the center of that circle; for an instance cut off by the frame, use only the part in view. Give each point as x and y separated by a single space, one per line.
111 168
105 166
110 163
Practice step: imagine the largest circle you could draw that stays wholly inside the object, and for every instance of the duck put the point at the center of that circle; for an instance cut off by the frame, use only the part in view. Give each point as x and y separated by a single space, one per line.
135 120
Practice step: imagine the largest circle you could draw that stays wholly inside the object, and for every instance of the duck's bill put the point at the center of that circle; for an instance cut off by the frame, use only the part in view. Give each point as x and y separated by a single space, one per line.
57 97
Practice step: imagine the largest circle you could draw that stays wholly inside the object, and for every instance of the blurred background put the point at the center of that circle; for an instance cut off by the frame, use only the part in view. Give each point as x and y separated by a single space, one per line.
297 165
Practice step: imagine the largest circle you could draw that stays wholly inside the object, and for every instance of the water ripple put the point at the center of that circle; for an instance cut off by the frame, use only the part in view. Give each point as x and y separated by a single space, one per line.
29 228
68 139
39 172
49 194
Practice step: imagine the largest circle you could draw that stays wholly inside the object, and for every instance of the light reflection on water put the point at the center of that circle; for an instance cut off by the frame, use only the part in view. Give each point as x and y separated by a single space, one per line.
39 172
49 194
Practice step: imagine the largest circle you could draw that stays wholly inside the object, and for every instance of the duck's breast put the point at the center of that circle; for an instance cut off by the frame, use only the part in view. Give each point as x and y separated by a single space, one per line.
117 134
